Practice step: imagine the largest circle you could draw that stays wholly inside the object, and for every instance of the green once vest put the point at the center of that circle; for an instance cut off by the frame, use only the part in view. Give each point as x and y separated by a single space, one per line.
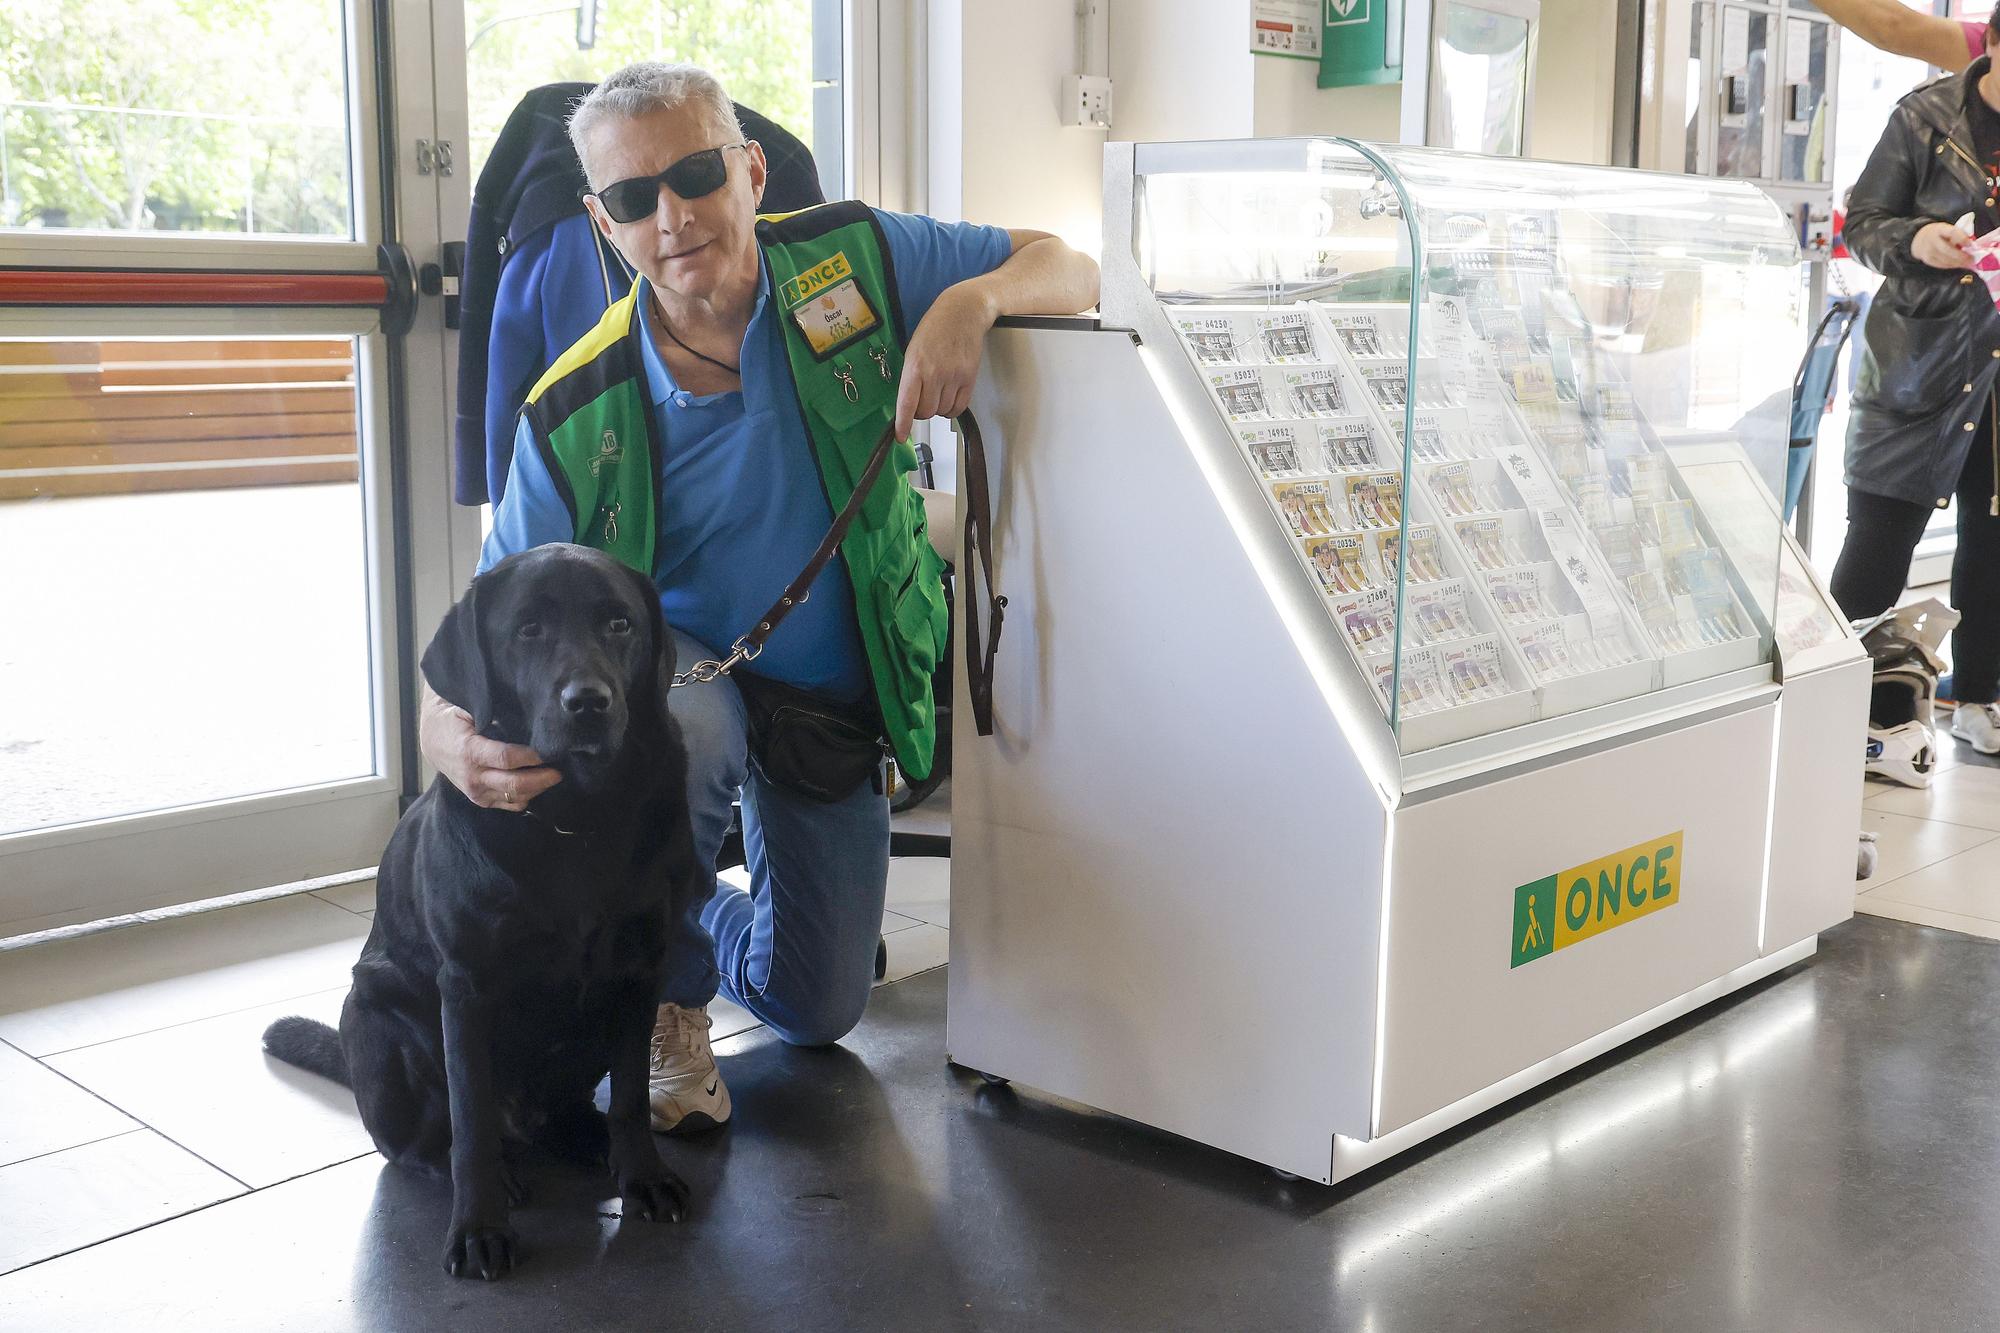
834 293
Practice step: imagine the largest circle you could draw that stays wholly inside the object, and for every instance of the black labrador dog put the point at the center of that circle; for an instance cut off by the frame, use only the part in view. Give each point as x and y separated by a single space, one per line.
516 958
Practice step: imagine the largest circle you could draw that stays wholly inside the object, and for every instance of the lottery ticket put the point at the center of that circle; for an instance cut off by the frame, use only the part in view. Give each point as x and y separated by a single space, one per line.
1307 507
1287 337
1273 450
1241 393
1213 338
1338 562
1375 500
1347 445
1317 392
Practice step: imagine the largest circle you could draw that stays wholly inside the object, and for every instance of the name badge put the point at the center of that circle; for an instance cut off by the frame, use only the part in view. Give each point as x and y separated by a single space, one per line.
834 317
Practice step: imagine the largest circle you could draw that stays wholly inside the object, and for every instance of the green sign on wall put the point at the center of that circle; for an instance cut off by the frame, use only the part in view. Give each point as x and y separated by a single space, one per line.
1362 42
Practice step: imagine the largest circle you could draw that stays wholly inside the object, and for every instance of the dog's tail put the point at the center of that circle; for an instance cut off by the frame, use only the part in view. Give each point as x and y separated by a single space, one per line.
309 1044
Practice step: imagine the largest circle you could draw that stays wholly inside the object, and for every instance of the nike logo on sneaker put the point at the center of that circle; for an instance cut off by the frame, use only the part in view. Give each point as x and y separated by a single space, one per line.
713 1083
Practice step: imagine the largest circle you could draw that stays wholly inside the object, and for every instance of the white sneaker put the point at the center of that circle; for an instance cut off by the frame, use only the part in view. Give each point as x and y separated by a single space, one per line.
1978 725
687 1093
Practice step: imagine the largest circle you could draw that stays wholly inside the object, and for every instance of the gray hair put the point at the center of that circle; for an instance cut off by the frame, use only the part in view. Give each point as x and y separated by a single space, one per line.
647 86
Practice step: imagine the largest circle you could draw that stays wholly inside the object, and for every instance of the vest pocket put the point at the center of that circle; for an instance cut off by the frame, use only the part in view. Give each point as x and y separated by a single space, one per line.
922 620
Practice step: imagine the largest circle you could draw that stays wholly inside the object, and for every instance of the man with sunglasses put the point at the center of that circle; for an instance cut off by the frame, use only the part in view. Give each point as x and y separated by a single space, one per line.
705 432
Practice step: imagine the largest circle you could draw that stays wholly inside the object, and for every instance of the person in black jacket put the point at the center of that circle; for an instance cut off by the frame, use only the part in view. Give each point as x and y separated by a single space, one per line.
1923 427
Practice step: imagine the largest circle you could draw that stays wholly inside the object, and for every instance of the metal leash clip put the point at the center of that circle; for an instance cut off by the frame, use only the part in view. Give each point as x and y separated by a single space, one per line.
703 672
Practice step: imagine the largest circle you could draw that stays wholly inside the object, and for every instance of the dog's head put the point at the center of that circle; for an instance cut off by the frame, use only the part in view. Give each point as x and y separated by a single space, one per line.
560 648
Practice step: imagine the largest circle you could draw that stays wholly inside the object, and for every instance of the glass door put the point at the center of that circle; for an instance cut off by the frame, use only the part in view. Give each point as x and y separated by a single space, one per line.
223 438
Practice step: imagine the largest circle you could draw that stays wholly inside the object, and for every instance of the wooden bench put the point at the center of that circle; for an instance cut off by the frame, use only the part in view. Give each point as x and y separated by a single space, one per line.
96 418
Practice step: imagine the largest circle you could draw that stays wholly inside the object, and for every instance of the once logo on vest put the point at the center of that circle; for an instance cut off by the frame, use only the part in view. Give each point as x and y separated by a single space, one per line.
609 453
821 275
1559 910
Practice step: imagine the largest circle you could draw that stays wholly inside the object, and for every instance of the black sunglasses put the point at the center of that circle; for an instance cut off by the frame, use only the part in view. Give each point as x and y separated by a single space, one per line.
693 176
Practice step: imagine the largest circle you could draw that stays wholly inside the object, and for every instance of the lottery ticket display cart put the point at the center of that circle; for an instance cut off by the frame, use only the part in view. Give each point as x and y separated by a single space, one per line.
1408 690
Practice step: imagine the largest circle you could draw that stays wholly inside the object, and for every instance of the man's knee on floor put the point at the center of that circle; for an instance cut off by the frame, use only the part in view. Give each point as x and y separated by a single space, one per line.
819 1020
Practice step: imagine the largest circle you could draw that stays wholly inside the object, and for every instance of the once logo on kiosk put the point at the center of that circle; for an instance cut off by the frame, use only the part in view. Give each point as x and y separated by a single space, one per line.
1555 912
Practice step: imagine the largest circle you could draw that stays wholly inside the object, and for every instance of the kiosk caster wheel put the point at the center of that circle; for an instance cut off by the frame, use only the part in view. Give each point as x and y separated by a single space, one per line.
881 959
990 1080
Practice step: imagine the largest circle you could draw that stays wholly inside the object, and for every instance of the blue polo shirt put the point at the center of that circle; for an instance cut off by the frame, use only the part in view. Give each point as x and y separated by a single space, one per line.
741 507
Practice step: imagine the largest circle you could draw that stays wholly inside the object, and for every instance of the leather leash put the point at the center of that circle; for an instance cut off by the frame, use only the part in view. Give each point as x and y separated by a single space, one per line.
978 526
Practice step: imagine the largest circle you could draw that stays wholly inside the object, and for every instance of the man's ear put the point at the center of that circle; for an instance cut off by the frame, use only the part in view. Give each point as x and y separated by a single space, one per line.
598 217
759 172
455 662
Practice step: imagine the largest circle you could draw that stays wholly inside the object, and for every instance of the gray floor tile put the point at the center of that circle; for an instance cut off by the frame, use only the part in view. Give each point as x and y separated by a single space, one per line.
209 1086
1906 843
932 817
918 949
79 1196
1927 916
920 887
1967 884
41 1111
358 897
56 997
1963 794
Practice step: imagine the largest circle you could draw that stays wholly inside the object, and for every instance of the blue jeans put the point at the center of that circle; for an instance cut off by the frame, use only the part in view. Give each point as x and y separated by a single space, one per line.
798 950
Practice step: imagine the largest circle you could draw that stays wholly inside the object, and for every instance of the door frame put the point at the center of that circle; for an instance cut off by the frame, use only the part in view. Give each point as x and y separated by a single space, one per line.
416 561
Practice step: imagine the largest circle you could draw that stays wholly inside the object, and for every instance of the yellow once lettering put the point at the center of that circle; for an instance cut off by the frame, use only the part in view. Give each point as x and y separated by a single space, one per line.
1633 891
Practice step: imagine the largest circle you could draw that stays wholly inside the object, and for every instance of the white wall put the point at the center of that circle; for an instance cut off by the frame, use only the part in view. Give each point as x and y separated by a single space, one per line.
1289 101
1575 74
1182 69
999 152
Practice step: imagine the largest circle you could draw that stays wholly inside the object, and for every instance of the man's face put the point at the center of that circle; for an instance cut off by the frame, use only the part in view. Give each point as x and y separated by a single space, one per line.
693 247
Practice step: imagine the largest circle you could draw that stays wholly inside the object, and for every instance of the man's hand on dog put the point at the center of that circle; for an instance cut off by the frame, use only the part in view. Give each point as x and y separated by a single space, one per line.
491 773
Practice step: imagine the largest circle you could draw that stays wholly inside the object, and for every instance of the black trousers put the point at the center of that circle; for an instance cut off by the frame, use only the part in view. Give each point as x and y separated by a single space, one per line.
1874 566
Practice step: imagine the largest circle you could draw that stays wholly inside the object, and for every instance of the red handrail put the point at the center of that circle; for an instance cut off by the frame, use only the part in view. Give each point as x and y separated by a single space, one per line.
188 287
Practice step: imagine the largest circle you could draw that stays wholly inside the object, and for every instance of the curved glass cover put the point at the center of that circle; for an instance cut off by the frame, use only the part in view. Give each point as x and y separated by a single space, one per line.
1472 390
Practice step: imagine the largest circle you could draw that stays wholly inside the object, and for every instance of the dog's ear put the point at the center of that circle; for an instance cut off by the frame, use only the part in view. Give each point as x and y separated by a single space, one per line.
455 662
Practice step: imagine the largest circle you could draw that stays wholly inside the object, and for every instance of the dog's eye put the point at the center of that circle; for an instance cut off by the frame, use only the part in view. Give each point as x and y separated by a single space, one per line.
530 630
620 626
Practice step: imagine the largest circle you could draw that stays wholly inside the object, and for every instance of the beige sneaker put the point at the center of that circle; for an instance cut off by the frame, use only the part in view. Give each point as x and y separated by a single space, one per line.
687 1093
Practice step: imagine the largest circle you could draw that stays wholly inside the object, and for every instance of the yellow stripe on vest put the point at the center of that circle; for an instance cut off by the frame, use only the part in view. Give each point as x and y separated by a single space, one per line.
617 322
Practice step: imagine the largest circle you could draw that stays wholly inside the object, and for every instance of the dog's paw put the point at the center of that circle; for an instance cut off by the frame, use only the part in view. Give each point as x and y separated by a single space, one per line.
660 1197
484 1252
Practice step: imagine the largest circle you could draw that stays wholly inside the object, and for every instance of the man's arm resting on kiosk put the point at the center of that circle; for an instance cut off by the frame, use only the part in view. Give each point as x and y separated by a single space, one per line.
1042 277
1894 27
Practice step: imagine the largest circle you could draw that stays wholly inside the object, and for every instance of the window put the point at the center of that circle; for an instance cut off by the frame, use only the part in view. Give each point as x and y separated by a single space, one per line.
762 50
116 116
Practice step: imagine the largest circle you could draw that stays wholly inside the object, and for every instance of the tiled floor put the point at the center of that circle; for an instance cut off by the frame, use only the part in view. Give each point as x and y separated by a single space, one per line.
1940 848
157 1168
133 1088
